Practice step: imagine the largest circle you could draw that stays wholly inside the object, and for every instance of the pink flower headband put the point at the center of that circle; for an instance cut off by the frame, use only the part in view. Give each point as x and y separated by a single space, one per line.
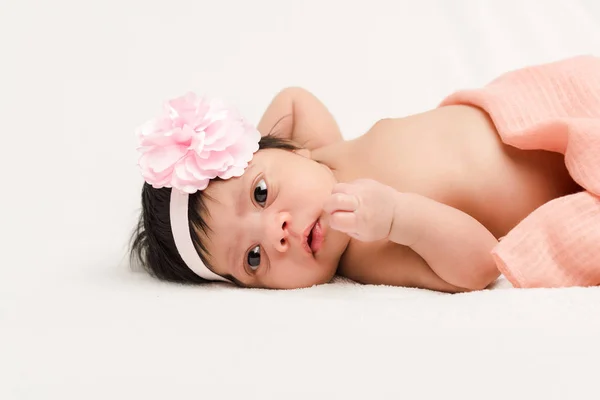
193 141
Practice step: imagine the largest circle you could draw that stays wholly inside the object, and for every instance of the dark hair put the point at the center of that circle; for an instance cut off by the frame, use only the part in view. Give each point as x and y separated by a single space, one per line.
152 242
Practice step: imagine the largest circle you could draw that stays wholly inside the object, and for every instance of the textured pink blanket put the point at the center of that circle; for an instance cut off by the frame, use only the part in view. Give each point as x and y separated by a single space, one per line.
554 107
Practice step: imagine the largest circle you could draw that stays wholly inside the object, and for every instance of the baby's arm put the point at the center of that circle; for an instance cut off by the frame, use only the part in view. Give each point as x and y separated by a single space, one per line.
298 115
454 245
441 243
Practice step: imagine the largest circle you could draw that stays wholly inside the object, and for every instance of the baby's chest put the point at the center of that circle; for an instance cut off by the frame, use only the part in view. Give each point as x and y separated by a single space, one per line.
413 160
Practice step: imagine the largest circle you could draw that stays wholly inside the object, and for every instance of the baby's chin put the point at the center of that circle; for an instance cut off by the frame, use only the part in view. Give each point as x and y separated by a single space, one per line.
326 275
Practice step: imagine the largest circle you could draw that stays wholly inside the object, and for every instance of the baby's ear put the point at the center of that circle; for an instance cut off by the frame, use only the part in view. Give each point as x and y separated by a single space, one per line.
303 152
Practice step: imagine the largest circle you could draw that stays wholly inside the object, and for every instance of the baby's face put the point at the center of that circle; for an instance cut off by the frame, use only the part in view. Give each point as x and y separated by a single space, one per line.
258 223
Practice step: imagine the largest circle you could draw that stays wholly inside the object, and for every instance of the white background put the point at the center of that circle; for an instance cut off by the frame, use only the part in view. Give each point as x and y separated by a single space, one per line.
77 77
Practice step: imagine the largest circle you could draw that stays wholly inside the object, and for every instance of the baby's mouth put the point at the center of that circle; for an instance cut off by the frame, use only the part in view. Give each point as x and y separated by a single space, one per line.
315 237
309 238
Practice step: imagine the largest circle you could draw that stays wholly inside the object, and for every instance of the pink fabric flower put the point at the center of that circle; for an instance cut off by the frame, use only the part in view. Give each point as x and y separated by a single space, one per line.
193 141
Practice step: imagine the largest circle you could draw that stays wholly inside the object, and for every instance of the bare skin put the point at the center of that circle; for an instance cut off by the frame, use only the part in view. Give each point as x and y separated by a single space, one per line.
466 183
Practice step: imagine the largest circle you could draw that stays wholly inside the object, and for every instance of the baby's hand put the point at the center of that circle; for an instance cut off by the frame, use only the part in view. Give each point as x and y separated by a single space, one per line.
363 209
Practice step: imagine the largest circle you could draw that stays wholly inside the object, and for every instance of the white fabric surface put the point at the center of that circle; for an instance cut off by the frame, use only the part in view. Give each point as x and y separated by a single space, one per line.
75 323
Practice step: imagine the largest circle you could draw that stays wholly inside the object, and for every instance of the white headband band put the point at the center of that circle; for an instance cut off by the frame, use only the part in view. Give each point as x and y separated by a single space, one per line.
183 241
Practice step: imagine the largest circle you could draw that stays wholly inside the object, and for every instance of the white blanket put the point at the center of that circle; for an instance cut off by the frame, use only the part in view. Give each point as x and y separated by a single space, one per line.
129 337
75 323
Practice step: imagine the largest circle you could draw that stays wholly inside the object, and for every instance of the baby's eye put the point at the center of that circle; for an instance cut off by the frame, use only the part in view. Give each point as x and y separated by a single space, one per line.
260 192
254 258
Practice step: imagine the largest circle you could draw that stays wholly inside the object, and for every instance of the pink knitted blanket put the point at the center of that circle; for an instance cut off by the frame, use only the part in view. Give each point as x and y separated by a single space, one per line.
554 107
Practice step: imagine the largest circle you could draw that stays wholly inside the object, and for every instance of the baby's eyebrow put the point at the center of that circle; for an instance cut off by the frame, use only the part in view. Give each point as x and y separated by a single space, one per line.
232 255
240 201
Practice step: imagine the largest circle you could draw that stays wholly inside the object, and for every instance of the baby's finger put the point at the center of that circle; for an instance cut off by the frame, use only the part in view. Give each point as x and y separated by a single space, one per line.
343 187
343 222
340 202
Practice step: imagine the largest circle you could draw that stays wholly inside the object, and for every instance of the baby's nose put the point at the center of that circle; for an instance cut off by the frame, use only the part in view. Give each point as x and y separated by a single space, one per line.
279 232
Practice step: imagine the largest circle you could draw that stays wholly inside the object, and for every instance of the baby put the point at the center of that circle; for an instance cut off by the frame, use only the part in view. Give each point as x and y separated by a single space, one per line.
418 201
